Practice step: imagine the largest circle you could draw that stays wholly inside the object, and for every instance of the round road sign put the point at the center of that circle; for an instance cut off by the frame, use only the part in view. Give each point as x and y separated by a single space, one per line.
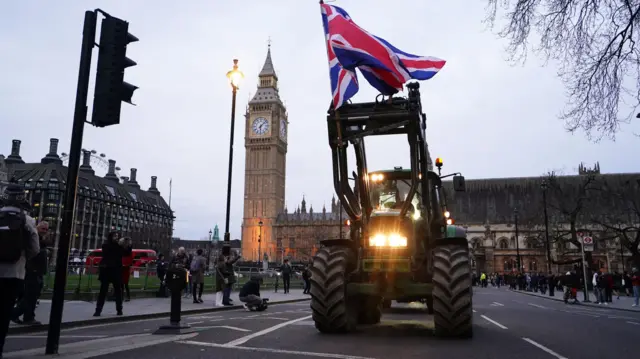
587 240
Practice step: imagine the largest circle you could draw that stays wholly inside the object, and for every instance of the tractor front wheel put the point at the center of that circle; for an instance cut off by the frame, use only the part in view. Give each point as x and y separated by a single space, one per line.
333 311
452 291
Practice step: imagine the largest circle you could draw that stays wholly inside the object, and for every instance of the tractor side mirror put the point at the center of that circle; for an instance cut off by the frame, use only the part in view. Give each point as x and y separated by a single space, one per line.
459 184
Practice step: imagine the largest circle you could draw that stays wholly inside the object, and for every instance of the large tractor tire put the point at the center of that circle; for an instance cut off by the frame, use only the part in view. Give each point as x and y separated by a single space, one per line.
333 311
452 291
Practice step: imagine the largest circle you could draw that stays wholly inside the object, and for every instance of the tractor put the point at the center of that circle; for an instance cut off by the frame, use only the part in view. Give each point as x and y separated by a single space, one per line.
402 244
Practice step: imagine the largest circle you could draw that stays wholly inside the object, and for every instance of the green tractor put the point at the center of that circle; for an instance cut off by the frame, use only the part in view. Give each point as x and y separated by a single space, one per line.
402 245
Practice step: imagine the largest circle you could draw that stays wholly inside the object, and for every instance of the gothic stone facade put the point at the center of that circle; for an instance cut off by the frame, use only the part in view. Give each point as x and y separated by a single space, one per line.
103 204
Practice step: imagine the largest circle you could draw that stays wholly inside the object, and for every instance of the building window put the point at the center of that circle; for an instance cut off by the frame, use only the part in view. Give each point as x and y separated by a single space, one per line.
504 244
509 265
292 243
533 266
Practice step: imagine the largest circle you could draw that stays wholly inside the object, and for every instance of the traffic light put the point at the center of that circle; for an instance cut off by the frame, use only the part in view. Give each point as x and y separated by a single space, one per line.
111 89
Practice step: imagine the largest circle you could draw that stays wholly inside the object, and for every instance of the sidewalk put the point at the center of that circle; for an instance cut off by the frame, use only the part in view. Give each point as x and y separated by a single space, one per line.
78 313
624 303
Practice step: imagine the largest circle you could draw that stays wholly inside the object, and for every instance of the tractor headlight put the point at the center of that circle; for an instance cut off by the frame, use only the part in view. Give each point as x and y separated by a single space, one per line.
388 240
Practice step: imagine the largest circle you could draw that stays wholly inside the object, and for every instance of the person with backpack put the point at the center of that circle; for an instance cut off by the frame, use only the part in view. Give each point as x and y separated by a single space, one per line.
19 242
198 264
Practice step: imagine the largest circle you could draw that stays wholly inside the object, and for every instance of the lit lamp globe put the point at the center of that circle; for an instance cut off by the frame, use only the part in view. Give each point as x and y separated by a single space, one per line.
235 76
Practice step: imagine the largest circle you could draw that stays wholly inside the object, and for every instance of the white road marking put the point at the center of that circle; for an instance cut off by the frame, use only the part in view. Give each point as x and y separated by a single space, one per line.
497 304
61 337
223 326
537 306
474 311
200 322
274 318
245 339
493 322
271 350
634 323
540 346
305 323
619 317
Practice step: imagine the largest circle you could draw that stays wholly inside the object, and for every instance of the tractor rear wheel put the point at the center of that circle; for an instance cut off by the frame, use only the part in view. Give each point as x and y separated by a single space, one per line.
333 311
452 291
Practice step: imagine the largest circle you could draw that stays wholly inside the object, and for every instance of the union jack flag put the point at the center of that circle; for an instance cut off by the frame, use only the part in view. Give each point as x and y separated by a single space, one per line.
383 65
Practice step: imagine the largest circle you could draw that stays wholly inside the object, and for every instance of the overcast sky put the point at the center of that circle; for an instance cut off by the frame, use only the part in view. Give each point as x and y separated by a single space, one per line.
486 118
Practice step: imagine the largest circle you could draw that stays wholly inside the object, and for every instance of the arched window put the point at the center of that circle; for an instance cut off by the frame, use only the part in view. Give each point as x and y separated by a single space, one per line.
475 243
504 244
533 266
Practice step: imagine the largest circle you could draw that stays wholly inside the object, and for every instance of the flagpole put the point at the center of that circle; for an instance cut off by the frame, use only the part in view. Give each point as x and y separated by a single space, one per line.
170 189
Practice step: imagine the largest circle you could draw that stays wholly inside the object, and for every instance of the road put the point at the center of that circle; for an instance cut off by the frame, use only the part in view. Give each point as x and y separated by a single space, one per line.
507 325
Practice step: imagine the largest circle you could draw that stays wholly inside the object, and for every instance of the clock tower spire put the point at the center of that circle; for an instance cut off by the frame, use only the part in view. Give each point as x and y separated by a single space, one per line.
265 164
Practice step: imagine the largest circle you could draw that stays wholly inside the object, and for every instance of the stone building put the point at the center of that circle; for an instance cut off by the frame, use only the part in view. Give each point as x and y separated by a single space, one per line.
103 204
489 207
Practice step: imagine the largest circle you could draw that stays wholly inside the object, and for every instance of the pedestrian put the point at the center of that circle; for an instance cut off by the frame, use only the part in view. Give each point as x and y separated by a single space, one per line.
110 271
226 276
127 263
198 265
635 282
161 272
19 242
306 277
36 268
250 293
189 287
286 270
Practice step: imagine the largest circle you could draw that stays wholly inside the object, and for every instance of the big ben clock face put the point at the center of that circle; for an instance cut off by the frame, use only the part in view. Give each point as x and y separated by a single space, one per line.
283 129
260 126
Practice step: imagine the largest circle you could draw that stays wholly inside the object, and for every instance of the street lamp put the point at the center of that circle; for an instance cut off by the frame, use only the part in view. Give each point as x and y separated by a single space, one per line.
209 251
515 216
235 76
544 187
260 241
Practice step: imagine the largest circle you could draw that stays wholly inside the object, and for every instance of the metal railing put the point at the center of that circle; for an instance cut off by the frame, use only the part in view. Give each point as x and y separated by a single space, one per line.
82 278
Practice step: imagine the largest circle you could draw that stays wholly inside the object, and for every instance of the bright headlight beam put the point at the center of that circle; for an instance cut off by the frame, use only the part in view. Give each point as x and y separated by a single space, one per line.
392 240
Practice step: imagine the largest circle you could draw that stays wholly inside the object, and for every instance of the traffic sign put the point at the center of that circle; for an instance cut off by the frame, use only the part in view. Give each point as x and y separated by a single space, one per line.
587 243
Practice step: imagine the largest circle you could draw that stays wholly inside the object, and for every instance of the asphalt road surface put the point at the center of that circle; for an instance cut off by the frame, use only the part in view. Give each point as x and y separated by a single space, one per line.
507 325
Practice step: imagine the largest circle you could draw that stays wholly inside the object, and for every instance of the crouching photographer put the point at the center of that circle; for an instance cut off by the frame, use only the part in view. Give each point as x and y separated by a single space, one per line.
250 293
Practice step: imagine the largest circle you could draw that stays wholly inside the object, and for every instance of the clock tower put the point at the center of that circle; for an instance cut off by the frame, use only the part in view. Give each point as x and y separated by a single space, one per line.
265 165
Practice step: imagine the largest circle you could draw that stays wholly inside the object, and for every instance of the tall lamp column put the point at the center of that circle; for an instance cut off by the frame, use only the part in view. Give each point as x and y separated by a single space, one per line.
544 187
515 217
235 76
260 242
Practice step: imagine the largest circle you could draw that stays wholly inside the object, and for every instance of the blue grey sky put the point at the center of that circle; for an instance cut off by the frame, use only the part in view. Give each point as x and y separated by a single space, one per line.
486 118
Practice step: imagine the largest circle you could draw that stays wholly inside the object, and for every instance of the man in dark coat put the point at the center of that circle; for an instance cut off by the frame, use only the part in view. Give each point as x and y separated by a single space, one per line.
111 271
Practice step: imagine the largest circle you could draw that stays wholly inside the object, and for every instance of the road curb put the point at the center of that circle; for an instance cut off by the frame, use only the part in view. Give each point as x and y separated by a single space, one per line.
80 323
557 299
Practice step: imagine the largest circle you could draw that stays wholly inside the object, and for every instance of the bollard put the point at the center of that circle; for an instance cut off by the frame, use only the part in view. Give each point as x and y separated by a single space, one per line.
176 280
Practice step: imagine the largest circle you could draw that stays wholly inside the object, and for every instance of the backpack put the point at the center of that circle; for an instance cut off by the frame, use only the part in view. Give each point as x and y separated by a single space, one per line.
195 265
12 236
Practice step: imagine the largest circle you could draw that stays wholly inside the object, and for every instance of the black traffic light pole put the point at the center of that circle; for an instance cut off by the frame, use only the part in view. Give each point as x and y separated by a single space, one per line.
110 91
79 118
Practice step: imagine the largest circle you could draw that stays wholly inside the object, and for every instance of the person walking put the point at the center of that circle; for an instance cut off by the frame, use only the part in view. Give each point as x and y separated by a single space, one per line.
113 250
198 264
19 242
635 282
286 275
127 263
36 268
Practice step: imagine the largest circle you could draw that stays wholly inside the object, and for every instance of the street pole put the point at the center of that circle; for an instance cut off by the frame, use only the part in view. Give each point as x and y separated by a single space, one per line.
79 118
546 225
209 251
234 76
622 255
515 213
584 272
260 242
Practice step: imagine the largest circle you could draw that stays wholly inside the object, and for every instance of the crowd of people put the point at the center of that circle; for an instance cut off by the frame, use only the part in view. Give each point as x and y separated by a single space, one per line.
605 285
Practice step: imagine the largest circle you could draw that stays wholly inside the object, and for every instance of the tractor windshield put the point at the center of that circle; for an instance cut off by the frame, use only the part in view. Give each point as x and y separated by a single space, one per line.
388 196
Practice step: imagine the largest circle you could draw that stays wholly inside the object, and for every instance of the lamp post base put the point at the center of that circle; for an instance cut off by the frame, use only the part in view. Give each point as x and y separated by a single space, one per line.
174 329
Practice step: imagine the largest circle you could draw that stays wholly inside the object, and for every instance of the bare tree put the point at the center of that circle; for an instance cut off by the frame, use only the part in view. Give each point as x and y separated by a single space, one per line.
595 43
568 208
620 218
